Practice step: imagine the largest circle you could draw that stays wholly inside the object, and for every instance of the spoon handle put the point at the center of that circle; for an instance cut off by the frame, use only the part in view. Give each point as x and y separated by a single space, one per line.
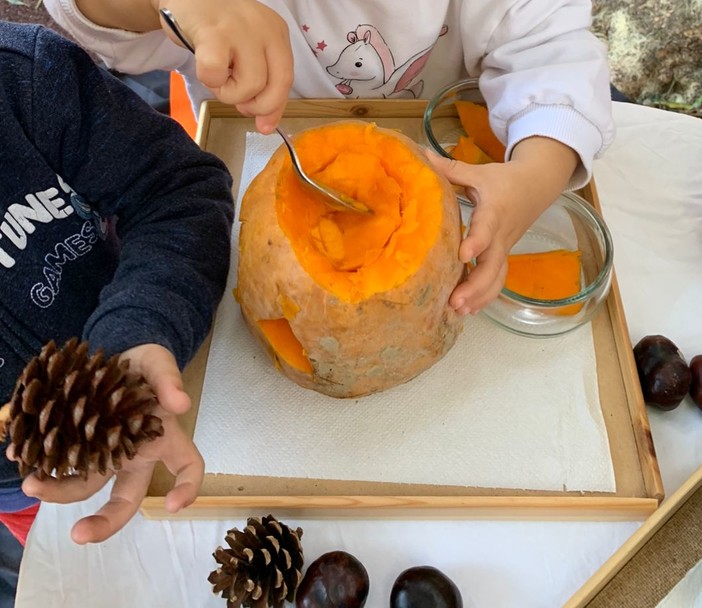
293 157
170 20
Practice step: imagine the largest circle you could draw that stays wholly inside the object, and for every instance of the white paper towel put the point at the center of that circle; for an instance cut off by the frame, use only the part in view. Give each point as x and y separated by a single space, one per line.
498 411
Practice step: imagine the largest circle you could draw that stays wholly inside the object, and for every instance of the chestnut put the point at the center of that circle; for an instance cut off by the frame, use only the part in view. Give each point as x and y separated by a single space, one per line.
424 586
663 372
696 381
334 580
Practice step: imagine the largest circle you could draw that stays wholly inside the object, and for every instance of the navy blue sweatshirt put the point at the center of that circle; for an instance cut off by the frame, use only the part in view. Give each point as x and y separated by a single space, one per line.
114 225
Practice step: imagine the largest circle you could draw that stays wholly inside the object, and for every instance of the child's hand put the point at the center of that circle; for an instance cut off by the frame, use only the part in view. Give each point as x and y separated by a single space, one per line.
508 198
177 452
242 53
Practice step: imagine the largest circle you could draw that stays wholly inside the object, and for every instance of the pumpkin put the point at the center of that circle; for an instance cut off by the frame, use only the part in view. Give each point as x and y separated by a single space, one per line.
349 304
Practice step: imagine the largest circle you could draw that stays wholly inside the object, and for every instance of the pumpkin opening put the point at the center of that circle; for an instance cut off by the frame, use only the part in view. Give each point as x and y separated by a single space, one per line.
285 344
350 255
546 275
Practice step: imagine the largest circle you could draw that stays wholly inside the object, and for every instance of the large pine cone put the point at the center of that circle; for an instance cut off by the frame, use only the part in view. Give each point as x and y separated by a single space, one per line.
262 567
74 414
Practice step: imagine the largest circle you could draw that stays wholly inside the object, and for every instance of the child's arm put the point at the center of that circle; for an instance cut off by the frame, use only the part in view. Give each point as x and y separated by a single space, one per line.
242 48
509 197
173 209
170 202
546 82
130 15
543 73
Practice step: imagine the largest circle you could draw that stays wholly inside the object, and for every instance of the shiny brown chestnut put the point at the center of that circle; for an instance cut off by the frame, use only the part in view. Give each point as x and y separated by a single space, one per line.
696 382
424 586
334 580
663 372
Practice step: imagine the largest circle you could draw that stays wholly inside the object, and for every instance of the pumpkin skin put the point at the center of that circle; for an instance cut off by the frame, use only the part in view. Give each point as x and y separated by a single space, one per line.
349 304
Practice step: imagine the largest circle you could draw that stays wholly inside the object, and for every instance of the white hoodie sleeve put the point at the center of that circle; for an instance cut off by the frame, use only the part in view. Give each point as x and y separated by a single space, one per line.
127 52
542 72
130 52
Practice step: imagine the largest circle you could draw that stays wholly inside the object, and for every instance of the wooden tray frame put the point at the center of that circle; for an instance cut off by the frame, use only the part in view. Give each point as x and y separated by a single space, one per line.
614 586
639 488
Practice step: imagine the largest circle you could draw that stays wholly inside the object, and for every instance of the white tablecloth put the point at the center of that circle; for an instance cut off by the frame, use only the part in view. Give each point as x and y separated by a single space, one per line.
650 186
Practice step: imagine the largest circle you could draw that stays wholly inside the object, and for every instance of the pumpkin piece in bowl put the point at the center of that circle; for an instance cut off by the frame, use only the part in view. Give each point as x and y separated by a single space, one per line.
456 124
546 275
467 151
475 121
349 304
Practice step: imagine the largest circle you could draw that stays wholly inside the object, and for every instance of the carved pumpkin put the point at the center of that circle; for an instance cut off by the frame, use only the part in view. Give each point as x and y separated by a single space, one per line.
350 304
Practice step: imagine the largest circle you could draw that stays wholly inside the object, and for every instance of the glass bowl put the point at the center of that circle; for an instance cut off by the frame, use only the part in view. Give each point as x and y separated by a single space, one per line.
571 223
441 127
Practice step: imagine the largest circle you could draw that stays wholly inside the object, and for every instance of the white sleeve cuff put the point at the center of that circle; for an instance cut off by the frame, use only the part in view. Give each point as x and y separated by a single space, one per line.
562 123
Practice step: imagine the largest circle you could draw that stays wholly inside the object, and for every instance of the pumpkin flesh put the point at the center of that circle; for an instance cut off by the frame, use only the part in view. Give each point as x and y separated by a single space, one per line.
352 255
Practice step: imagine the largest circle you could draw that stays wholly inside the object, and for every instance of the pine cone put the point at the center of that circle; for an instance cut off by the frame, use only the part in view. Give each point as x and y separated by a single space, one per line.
4 421
73 414
262 567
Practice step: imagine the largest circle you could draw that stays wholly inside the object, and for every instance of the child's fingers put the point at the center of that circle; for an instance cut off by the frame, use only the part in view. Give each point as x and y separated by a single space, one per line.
480 288
183 494
66 490
479 237
159 368
269 104
249 77
127 493
189 472
172 398
212 64
472 297
267 123
455 171
234 77
281 73
267 116
168 387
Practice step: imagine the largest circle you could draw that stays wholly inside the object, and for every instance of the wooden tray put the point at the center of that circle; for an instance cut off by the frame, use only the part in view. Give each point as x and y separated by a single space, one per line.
656 557
639 489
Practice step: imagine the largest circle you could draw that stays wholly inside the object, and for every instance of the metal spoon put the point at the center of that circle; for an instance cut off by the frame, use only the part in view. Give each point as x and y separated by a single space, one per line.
333 198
